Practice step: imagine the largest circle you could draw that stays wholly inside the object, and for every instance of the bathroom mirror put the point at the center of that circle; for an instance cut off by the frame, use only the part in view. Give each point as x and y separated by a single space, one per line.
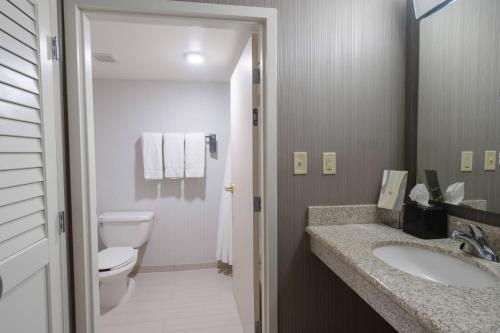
459 104
425 8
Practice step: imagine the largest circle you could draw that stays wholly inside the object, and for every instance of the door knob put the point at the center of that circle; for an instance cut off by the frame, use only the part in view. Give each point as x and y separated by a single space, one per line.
230 188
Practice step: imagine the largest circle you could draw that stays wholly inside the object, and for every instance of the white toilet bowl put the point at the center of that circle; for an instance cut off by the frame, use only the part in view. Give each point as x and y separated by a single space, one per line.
115 264
122 233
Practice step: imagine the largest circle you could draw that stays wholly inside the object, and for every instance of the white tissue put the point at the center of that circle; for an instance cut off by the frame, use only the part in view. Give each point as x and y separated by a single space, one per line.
455 193
420 194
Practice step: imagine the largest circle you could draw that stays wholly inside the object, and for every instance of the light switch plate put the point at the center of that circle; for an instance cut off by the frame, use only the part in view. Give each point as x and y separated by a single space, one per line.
329 163
490 159
466 161
300 163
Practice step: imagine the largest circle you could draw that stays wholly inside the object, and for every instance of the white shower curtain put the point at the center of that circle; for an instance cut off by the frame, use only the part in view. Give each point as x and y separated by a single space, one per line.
225 232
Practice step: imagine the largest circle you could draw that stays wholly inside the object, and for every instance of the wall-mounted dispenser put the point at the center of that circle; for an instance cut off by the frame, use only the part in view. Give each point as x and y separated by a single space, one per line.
425 8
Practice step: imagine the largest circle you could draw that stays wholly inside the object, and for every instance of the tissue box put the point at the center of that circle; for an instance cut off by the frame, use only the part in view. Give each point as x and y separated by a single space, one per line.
425 222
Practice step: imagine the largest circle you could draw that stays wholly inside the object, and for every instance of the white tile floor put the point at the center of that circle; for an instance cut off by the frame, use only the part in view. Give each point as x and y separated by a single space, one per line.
198 301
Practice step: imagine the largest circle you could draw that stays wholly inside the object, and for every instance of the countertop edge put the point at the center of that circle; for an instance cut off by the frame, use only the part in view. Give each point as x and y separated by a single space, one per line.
378 298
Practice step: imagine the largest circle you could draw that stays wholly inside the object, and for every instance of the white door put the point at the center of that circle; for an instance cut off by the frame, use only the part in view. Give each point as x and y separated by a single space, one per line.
245 231
30 272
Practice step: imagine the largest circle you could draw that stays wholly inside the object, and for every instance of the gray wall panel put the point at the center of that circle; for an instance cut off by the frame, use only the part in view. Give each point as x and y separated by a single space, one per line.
341 71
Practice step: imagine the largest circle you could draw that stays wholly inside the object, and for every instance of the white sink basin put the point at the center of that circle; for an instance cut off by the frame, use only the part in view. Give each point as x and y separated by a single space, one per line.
435 266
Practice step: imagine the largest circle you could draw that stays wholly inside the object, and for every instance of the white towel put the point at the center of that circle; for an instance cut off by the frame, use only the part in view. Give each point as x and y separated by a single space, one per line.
173 155
152 155
195 155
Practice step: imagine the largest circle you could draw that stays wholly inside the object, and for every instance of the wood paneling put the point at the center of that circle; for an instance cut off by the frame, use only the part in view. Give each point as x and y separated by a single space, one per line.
16 47
19 177
18 64
25 7
13 29
16 15
341 72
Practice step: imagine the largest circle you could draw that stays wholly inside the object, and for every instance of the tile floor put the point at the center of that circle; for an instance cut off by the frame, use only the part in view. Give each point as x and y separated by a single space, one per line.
197 301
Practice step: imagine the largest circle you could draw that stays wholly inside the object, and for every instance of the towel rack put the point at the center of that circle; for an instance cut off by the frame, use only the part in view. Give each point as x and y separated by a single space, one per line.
212 143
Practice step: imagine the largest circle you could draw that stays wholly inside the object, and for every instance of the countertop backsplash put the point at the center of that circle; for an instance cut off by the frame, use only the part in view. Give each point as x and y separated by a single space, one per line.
362 214
349 214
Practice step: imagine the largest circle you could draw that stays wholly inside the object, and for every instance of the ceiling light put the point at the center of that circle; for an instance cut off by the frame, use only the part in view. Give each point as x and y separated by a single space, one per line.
195 57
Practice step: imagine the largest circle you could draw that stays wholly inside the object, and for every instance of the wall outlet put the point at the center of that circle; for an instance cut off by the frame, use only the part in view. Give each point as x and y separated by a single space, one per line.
300 163
466 161
490 159
329 163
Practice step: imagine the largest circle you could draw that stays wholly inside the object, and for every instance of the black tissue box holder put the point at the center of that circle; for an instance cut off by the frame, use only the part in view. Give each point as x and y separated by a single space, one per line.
425 222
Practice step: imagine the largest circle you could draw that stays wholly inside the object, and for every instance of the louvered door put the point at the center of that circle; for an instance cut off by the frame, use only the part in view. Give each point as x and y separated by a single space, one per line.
29 238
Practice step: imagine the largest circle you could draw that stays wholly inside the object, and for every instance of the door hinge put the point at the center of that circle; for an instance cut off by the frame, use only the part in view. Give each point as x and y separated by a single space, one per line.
257 204
62 222
255 118
256 75
258 326
53 48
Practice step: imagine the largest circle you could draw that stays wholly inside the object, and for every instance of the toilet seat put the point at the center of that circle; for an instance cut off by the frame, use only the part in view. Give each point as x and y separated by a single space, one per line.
114 258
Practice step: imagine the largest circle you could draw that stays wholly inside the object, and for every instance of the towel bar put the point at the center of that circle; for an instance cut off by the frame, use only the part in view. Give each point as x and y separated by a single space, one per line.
212 143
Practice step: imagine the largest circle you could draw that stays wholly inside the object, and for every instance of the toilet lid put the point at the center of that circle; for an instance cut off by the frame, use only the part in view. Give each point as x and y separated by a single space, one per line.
115 257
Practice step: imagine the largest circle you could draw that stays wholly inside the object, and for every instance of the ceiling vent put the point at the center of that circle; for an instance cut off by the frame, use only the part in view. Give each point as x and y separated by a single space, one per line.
106 57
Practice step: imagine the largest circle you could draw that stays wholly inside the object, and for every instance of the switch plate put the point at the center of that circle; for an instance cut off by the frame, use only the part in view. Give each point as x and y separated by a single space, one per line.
300 163
466 161
329 163
490 159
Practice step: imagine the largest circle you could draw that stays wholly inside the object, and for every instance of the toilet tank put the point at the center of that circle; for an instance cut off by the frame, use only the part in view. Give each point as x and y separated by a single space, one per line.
126 228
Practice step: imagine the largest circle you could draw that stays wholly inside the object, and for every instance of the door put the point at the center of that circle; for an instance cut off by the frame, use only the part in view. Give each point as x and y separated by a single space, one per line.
30 272
245 230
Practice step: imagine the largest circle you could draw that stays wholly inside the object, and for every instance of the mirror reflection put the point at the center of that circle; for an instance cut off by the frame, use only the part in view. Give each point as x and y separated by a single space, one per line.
459 104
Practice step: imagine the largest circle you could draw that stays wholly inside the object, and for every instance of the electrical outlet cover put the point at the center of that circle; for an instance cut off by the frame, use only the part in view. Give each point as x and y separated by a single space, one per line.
300 163
329 163
490 159
466 161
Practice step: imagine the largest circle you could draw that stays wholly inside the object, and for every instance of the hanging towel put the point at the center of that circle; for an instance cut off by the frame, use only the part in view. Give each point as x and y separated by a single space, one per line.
195 155
173 155
152 155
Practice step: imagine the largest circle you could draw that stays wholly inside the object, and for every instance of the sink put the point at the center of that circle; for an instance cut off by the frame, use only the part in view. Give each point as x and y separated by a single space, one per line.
435 266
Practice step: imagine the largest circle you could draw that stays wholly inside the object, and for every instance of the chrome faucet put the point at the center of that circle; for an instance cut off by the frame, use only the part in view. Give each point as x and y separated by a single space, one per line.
475 243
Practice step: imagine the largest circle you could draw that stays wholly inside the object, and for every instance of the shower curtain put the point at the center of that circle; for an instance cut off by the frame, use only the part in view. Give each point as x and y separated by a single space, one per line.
225 231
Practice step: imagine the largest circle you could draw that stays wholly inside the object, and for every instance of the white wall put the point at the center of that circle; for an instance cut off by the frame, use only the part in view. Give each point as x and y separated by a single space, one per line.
185 229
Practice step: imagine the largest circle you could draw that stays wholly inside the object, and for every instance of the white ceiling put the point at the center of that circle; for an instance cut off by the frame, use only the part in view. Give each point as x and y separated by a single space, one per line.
156 51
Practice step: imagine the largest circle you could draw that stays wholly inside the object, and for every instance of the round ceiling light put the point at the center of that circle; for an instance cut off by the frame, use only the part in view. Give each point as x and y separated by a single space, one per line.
195 58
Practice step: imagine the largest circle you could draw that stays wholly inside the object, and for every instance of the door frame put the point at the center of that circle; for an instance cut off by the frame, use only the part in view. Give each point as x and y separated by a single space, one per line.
77 17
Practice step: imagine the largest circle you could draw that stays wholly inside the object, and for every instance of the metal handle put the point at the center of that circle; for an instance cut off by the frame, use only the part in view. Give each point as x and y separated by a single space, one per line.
476 231
1 287
230 188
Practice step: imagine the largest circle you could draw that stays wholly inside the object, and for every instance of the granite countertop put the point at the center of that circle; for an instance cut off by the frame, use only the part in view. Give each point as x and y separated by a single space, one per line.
436 307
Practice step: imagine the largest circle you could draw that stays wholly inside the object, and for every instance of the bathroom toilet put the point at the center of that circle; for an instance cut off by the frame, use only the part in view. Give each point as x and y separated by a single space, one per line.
122 233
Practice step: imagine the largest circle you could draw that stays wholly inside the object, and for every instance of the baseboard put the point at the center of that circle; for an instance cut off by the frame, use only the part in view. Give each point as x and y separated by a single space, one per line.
173 268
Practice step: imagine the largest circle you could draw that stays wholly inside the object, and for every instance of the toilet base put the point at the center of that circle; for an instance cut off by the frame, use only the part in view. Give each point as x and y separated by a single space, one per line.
114 293
115 286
